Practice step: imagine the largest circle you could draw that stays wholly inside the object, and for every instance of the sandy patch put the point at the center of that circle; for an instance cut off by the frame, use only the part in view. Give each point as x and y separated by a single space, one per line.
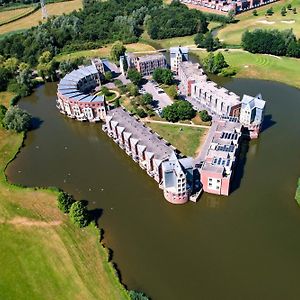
22 221
288 22
278 57
246 66
266 22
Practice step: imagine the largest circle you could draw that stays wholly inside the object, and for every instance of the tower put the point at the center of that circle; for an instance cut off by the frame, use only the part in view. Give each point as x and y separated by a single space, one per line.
44 10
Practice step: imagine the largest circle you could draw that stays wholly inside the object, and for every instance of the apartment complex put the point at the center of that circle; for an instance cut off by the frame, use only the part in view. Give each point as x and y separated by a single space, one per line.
216 100
75 94
153 154
227 5
145 64
177 56
220 158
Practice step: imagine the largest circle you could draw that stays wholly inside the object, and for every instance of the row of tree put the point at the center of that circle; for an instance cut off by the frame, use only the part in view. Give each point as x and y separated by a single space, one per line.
282 43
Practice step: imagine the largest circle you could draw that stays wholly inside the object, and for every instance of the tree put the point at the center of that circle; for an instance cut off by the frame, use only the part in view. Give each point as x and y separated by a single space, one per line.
65 201
270 11
105 91
289 6
255 13
146 99
162 75
117 50
231 15
205 117
4 77
219 63
199 40
134 295
79 214
134 76
47 66
209 42
17 119
294 10
283 11
108 76
11 64
133 89
179 110
3 111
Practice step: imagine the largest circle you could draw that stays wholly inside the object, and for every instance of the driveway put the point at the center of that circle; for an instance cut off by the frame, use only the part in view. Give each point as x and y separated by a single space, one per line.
160 99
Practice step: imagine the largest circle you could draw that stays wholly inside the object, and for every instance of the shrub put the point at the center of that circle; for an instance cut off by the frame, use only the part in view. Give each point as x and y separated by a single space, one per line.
141 113
228 72
17 119
3 111
205 117
79 214
65 201
135 295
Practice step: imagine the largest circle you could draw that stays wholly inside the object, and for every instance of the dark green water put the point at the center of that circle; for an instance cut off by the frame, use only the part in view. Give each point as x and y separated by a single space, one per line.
245 246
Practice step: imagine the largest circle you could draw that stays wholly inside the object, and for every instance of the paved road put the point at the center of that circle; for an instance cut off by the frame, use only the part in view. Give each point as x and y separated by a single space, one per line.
161 100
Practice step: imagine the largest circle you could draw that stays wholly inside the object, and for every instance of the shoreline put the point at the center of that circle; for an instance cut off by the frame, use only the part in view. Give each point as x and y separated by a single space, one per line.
38 218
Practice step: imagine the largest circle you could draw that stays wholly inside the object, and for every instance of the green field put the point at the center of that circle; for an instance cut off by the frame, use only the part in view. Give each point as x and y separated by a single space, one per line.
33 19
42 255
11 15
262 66
186 139
232 33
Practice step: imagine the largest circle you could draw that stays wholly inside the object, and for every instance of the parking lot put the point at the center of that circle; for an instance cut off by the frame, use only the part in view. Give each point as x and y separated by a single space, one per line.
160 98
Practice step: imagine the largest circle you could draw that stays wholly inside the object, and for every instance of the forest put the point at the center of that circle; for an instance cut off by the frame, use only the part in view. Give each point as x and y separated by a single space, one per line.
275 42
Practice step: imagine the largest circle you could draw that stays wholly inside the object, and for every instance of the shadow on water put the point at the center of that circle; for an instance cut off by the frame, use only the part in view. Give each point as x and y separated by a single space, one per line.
35 123
268 122
239 169
95 215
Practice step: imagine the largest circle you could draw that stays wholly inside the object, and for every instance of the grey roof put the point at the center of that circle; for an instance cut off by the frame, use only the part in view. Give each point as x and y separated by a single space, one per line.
253 102
68 86
181 50
139 131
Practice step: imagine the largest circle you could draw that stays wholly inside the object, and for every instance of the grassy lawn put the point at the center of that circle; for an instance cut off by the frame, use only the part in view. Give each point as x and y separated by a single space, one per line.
103 52
10 15
232 33
42 255
186 139
197 121
167 43
262 66
5 98
33 19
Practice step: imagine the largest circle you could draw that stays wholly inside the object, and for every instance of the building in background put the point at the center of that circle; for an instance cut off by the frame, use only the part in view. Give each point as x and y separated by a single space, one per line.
225 6
145 64
177 56
76 94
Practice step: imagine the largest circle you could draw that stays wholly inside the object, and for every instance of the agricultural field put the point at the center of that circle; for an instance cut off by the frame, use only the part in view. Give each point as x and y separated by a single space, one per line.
33 19
10 15
261 66
232 33
186 139
103 52
43 255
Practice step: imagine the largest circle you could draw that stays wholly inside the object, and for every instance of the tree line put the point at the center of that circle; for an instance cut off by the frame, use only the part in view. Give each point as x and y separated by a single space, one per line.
281 43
